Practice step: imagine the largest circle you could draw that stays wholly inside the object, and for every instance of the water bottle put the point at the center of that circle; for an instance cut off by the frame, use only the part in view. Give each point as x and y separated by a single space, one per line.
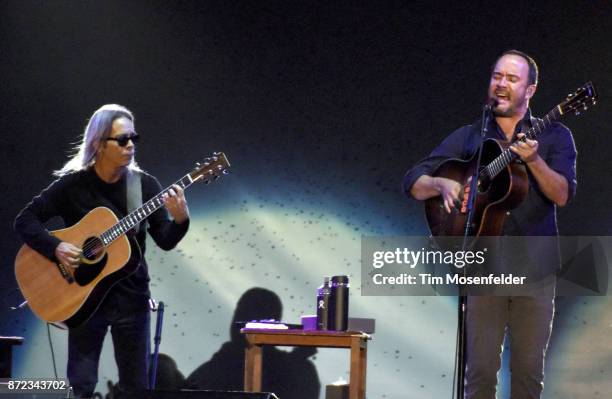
323 295
339 303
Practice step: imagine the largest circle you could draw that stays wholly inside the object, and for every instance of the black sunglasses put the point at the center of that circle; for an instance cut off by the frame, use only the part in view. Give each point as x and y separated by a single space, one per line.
123 139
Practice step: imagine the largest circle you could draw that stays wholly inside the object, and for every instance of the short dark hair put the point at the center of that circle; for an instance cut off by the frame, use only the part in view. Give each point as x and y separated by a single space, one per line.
533 67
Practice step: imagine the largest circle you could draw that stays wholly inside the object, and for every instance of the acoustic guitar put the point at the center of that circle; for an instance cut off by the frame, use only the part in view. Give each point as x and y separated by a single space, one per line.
67 296
502 182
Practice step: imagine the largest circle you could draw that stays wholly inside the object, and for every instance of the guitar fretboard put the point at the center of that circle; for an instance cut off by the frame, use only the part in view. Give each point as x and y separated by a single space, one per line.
141 213
507 156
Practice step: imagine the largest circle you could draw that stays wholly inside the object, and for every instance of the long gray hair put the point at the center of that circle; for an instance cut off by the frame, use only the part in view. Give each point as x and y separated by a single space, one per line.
97 130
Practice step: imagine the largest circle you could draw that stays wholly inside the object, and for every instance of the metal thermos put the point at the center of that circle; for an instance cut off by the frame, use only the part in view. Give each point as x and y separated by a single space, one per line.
339 303
323 296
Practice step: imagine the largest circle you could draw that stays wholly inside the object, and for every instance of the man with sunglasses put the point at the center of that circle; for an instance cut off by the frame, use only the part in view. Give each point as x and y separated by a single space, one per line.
101 173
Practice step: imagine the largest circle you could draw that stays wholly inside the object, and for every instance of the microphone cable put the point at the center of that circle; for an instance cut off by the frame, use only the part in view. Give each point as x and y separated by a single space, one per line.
52 351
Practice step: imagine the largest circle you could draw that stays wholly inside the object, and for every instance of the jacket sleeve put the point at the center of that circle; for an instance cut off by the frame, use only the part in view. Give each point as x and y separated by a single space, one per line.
29 223
562 158
454 146
165 232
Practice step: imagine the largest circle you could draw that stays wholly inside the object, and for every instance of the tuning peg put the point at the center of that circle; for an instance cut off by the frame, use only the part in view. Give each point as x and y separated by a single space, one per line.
206 181
225 171
216 177
197 164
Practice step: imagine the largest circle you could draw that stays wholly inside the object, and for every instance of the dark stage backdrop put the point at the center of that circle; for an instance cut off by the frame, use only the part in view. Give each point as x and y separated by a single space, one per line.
321 110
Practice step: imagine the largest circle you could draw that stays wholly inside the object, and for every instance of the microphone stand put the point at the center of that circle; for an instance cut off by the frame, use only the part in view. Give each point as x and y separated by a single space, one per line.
157 340
462 300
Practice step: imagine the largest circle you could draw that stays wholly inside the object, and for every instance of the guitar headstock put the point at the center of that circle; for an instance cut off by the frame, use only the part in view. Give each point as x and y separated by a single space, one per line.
580 100
211 168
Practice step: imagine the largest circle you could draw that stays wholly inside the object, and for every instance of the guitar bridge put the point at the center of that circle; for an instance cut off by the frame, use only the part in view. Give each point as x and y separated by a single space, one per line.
65 274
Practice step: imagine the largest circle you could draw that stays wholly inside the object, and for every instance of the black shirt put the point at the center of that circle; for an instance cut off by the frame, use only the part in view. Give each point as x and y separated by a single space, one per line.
73 195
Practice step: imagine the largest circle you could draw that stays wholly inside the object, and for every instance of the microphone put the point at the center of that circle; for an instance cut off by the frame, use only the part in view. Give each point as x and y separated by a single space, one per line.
487 113
491 103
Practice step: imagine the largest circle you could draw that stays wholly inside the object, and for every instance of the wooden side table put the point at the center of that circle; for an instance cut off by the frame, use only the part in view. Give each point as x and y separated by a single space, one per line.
6 354
357 342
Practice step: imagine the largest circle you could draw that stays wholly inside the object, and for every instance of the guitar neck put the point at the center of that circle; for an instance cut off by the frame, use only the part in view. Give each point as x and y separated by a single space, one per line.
507 156
141 213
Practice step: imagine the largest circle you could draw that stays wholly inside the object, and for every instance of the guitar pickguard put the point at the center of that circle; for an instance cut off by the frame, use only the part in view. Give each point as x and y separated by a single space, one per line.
87 272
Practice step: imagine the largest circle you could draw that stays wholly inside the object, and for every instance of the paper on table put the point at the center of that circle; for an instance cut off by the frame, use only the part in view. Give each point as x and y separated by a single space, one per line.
266 326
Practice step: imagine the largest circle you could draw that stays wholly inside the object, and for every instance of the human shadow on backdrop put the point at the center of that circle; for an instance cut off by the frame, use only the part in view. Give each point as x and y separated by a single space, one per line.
288 374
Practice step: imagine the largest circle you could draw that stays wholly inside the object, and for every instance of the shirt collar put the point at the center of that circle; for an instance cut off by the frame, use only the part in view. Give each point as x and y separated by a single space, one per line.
523 125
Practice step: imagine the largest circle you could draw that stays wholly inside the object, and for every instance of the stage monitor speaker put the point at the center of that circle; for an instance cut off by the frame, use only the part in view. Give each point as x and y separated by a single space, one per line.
202 394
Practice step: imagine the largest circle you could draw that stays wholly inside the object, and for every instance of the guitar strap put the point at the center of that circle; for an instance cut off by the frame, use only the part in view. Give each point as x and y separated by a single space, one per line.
526 126
134 196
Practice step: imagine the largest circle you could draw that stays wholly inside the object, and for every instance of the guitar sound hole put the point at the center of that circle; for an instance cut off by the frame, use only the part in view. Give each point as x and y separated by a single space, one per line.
93 261
93 248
